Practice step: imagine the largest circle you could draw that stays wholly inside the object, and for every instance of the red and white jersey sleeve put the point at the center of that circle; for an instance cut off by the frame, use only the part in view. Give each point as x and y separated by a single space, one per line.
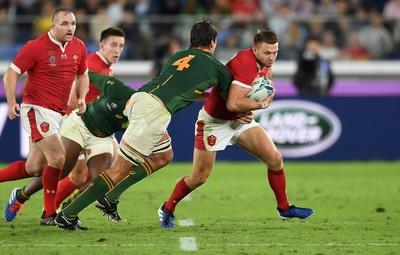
244 68
96 63
51 70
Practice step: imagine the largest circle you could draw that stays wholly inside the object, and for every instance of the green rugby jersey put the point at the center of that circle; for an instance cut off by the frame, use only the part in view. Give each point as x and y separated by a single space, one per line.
185 76
103 116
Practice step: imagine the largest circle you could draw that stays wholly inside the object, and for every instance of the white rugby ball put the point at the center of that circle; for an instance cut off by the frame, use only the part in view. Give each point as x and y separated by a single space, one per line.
261 89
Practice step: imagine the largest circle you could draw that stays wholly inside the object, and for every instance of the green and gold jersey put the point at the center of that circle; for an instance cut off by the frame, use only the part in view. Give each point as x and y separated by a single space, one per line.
185 76
103 116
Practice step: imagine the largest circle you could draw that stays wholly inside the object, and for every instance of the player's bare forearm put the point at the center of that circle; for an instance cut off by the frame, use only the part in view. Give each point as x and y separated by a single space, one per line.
238 102
82 86
10 85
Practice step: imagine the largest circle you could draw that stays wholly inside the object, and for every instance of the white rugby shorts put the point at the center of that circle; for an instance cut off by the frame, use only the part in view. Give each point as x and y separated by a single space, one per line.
148 121
213 134
74 129
40 122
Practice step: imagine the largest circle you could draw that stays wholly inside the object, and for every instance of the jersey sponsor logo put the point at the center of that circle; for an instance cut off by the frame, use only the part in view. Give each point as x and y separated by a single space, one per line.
52 61
44 126
211 140
64 56
300 128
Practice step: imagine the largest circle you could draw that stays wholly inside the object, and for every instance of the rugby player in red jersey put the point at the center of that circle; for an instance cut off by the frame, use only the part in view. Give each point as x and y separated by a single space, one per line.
53 62
111 44
219 125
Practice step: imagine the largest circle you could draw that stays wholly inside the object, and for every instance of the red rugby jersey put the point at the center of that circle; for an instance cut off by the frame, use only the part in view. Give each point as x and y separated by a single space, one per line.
51 70
244 69
98 64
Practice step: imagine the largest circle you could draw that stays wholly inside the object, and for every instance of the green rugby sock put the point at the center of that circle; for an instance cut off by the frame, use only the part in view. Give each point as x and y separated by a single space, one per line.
100 186
136 174
21 197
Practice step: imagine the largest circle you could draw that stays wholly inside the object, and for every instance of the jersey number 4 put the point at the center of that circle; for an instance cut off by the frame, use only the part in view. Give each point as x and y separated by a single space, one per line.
183 62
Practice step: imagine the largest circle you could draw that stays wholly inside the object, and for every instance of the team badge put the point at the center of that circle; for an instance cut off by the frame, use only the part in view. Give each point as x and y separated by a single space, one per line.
75 57
52 61
211 140
44 127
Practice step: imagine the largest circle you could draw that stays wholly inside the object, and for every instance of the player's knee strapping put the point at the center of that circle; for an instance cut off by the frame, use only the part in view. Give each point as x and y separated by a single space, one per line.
163 146
129 155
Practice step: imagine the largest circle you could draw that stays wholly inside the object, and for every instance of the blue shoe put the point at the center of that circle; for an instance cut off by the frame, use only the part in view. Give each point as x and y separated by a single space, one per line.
166 217
295 212
13 206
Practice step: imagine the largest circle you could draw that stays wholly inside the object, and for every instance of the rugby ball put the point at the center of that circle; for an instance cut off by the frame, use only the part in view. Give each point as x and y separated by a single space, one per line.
261 89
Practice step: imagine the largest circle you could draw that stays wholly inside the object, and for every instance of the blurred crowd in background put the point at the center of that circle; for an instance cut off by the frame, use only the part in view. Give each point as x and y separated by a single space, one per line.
347 29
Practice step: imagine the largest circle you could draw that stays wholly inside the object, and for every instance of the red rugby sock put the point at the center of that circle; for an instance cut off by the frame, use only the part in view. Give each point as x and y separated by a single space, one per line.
14 171
277 181
50 183
65 188
181 190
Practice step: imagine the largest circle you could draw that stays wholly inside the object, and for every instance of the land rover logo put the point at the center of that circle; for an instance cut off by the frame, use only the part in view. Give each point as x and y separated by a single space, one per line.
300 128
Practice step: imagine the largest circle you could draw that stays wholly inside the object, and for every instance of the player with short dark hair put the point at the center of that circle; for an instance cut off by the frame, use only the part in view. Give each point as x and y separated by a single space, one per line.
187 74
218 126
53 62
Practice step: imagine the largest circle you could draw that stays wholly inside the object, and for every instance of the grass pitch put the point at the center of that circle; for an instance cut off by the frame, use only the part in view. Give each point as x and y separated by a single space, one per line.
357 211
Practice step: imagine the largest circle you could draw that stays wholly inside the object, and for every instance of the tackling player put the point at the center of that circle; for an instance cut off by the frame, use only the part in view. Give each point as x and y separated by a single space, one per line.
187 74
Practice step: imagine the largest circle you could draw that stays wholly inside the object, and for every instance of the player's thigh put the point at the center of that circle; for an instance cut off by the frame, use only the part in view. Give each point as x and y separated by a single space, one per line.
72 153
36 161
162 153
79 171
53 150
257 142
40 122
203 162
148 122
99 163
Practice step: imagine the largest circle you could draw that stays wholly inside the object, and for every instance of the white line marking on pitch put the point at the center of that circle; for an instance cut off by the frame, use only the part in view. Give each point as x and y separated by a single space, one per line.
186 223
208 245
188 244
